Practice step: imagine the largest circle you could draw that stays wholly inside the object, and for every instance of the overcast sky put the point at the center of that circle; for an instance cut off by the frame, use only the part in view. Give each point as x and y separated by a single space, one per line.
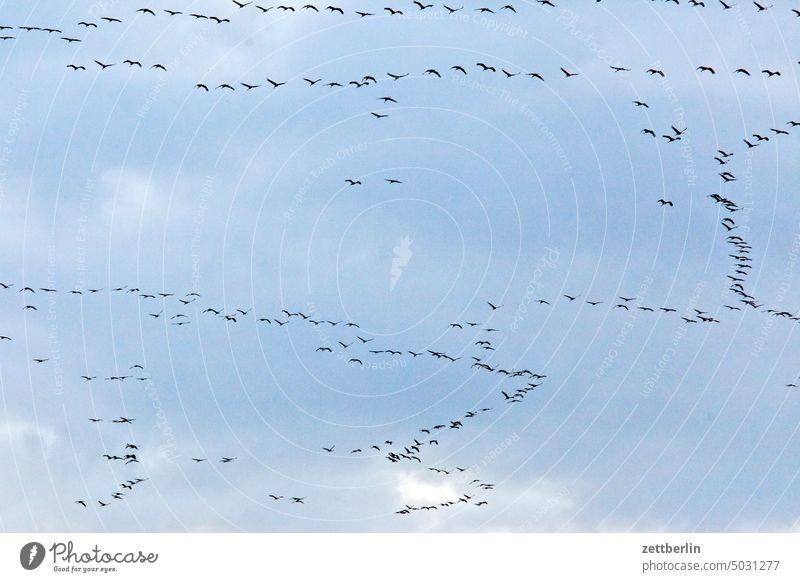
513 190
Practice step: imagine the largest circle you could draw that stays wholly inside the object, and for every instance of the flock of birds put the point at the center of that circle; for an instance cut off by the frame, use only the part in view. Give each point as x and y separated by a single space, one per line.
515 385
414 6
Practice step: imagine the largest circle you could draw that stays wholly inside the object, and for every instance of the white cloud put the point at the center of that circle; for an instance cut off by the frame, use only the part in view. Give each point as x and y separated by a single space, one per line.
23 435
132 197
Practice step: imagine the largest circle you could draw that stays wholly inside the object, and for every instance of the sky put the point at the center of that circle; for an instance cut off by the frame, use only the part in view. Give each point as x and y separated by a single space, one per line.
512 190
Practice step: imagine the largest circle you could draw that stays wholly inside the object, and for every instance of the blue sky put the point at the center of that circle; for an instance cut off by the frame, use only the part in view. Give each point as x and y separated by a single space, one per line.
512 190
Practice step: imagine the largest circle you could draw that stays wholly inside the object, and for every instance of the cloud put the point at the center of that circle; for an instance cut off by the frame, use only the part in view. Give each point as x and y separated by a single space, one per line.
132 197
25 436
412 490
